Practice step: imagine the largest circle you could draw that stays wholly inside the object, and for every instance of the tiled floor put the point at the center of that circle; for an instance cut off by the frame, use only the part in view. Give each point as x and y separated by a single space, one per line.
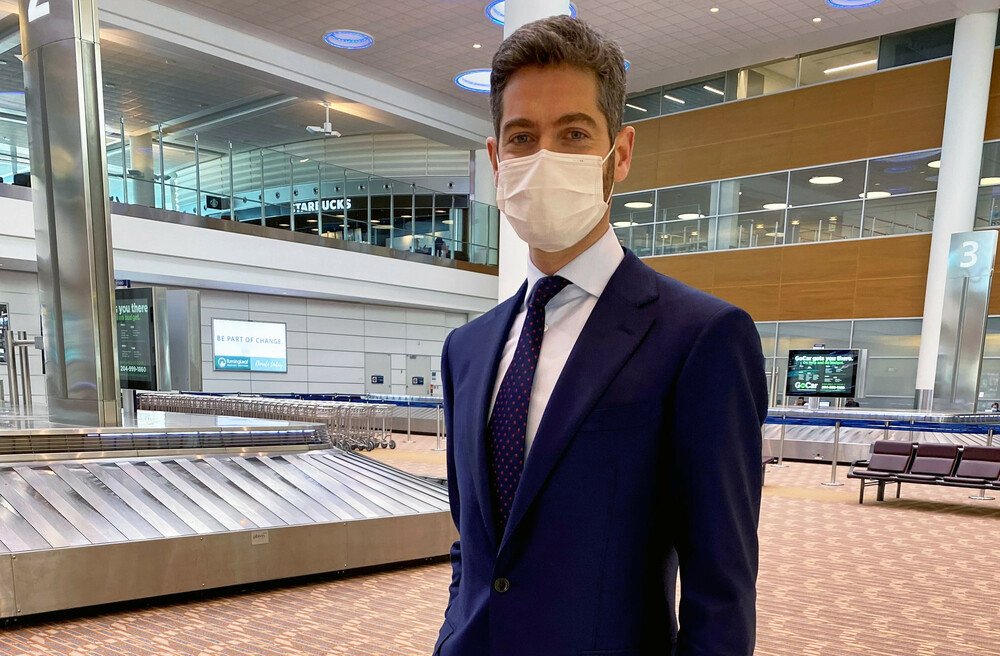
913 577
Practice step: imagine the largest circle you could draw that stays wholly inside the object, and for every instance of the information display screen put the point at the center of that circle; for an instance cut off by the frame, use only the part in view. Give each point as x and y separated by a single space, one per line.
249 346
823 373
136 347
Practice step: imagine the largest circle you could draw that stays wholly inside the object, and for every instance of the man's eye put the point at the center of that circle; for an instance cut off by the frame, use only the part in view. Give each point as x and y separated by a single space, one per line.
519 139
577 134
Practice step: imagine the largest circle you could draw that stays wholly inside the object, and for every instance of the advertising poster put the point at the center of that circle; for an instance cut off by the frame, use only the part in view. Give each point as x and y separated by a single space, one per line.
249 346
822 373
136 348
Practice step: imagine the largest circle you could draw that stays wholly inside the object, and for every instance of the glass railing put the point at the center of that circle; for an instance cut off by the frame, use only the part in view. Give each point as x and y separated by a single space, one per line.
282 191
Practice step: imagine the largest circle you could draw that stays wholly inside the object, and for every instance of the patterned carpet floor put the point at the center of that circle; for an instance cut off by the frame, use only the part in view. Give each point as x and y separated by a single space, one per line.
919 576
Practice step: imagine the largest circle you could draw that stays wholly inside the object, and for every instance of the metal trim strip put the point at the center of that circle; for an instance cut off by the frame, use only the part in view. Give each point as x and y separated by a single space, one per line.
136 503
372 483
300 480
286 490
362 504
124 525
282 508
436 492
90 529
173 505
200 499
25 504
229 496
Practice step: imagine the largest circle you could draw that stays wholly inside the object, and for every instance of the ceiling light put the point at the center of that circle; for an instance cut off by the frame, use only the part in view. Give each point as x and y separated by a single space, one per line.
441 211
833 218
406 216
759 225
313 221
709 87
690 215
348 39
872 195
774 234
825 180
989 182
664 236
303 160
283 225
477 80
375 222
338 216
795 222
775 206
817 20
495 11
936 164
714 10
694 233
636 107
383 227
477 46
674 99
847 67
624 224
852 4
638 205
447 222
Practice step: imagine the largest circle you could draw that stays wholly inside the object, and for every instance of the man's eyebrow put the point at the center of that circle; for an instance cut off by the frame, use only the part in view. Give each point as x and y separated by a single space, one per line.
517 123
578 117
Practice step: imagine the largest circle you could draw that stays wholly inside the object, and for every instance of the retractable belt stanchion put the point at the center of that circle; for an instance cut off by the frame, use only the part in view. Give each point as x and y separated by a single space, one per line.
781 447
409 434
437 416
836 454
982 496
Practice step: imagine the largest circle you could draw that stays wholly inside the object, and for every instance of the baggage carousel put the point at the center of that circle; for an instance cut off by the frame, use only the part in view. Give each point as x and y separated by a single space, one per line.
176 503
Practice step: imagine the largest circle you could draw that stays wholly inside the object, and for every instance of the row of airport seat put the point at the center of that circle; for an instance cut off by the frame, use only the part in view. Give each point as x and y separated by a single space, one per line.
949 465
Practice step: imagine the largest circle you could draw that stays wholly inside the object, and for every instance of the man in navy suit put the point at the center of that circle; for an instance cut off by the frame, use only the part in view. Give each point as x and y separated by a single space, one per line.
605 417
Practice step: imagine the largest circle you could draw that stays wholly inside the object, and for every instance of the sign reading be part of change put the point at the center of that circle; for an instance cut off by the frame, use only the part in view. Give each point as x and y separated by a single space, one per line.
249 346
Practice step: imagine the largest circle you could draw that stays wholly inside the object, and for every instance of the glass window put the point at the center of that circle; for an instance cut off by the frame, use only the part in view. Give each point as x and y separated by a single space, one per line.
768 331
806 334
888 337
890 377
767 78
827 184
750 230
692 95
632 209
904 174
896 216
753 194
988 206
824 222
916 45
637 238
840 63
640 106
689 202
681 236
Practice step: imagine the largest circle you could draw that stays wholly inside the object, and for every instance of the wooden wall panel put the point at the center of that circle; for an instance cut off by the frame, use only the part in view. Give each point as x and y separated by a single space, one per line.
890 297
894 111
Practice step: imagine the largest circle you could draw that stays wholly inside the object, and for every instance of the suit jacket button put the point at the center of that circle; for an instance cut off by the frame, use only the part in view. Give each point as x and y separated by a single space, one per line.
501 585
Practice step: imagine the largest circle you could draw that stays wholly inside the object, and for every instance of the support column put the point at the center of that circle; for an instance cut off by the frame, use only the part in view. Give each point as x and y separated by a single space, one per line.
62 84
958 181
513 251
143 190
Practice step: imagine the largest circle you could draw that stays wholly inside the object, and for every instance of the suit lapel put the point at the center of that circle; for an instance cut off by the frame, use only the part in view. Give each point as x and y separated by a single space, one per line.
483 367
614 330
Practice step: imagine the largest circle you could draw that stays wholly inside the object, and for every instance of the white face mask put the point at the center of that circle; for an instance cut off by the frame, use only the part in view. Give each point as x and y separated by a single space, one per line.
552 200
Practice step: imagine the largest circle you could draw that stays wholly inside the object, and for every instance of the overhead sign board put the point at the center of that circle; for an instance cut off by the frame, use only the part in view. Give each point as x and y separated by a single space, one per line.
249 346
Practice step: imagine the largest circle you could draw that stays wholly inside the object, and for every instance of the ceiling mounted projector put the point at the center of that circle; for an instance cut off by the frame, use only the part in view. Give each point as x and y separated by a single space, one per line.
327 129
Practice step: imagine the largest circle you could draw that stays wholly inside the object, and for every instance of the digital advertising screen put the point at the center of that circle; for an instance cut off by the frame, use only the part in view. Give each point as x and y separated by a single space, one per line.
823 373
136 345
249 346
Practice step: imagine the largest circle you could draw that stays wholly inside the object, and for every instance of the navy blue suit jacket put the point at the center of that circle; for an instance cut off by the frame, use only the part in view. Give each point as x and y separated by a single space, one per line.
650 442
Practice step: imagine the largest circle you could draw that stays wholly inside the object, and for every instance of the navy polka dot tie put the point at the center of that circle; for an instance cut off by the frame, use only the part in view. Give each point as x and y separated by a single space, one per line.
509 421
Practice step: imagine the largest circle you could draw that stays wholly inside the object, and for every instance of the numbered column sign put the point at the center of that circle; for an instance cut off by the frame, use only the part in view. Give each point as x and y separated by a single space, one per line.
963 320
47 21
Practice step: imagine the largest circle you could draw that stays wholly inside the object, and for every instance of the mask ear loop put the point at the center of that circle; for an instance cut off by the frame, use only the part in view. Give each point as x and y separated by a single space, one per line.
610 153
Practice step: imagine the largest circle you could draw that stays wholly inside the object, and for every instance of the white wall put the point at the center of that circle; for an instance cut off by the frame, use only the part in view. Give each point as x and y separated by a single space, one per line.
20 291
327 342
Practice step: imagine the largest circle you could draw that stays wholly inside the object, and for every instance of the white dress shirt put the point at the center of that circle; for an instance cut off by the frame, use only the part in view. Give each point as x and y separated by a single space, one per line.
565 316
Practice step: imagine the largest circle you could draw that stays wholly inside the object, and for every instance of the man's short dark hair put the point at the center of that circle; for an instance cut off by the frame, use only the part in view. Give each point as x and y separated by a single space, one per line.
556 41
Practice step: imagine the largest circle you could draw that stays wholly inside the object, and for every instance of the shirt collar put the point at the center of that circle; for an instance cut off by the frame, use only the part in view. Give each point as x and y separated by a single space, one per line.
591 270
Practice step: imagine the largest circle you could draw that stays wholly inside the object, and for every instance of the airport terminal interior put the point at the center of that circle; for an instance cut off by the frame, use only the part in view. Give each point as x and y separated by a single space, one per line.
235 236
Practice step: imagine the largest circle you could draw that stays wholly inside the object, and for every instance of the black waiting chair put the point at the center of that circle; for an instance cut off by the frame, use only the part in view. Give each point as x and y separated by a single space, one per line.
887 460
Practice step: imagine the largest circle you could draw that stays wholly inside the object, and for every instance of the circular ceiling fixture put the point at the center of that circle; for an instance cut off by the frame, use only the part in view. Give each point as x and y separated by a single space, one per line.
624 224
349 39
936 164
495 11
852 4
775 206
873 195
638 205
826 180
690 215
478 80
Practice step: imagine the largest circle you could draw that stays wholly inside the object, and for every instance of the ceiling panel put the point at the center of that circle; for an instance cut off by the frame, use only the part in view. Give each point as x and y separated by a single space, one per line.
430 41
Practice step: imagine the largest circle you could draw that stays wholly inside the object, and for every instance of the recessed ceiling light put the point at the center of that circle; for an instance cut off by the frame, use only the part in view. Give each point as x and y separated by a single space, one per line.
674 99
349 39
760 225
852 4
833 219
714 10
477 46
441 211
313 221
774 234
817 20
495 11
624 224
847 67
406 216
989 182
383 227
694 233
283 225
664 236
936 164
447 222
825 180
795 222
375 222
709 87
638 205
303 160
477 80
775 206
690 215
636 107
872 195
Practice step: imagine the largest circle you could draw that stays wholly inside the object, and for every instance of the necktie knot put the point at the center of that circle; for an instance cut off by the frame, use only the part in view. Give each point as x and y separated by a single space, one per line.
546 289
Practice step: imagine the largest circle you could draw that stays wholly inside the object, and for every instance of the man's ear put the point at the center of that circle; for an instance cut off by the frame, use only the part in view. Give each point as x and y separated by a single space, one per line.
624 144
494 152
